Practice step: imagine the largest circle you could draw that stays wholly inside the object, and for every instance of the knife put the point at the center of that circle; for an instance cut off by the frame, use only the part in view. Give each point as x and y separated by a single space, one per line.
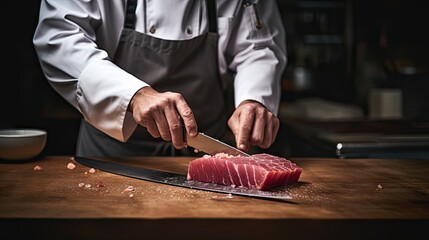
212 146
175 179
209 145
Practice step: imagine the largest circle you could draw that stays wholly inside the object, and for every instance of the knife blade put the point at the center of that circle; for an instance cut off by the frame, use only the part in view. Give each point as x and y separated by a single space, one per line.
212 146
209 145
175 179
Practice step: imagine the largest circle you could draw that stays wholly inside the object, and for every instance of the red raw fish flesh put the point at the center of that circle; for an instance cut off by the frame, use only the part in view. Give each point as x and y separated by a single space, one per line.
259 171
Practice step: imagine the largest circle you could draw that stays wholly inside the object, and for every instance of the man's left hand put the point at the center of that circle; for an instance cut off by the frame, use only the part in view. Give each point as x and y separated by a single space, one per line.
253 124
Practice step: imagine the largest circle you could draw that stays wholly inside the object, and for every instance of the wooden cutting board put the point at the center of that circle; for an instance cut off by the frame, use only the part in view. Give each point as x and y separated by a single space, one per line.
336 194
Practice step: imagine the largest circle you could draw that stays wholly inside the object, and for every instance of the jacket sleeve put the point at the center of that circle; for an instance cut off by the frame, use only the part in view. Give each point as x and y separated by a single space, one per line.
255 52
80 70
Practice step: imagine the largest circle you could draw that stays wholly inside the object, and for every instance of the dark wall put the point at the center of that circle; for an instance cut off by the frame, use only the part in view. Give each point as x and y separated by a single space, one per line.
27 100
20 67
395 35
23 90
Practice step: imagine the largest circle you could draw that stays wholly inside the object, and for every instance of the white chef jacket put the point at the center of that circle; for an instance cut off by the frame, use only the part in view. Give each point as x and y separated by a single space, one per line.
76 40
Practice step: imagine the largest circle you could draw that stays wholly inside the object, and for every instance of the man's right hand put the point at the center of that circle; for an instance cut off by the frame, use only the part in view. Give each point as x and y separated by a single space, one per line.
159 114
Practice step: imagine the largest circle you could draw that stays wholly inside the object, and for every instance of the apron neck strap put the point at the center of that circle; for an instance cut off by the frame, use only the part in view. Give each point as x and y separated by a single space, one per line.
211 10
130 15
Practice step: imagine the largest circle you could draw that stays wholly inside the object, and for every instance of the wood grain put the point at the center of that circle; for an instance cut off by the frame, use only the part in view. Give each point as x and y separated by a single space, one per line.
331 192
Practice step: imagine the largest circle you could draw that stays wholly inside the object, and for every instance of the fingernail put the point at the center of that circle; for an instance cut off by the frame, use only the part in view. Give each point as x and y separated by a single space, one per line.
243 147
193 133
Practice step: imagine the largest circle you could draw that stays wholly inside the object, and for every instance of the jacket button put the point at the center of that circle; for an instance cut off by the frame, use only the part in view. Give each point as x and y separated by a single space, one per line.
152 30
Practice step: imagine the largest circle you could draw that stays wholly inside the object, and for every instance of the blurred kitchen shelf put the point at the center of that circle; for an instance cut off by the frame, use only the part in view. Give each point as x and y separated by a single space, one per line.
365 138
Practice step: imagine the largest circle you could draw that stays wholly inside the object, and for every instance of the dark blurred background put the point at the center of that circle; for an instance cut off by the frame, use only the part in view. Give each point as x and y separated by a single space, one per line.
339 54
340 50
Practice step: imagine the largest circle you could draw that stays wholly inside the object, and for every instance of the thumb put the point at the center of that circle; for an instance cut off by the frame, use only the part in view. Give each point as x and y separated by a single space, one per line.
242 139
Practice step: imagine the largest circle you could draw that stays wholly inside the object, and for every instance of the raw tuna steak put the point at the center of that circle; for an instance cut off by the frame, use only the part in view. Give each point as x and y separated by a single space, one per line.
260 171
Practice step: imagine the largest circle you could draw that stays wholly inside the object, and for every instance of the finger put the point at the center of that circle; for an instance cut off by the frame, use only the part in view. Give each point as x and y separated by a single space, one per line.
233 124
151 127
271 130
187 115
266 143
175 128
244 130
162 125
275 129
259 129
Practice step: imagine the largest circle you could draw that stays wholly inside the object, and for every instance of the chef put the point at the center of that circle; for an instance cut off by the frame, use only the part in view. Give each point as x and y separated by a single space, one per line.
134 68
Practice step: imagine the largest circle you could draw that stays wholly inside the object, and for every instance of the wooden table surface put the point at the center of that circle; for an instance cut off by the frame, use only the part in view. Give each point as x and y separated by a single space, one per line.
334 198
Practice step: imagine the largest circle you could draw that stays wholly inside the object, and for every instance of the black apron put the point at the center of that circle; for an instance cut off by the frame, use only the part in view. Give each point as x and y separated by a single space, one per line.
189 67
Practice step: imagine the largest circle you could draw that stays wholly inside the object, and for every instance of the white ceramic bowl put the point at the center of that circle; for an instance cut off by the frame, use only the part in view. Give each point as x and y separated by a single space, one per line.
21 144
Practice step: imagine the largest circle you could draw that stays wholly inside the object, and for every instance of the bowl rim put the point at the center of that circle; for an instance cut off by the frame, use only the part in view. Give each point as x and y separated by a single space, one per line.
21 132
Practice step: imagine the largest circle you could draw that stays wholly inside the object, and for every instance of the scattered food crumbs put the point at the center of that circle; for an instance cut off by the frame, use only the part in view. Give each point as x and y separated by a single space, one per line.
229 195
379 187
72 158
86 173
92 170
100 184
81 184
87 185
129 189
71 165
37 168
196 151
